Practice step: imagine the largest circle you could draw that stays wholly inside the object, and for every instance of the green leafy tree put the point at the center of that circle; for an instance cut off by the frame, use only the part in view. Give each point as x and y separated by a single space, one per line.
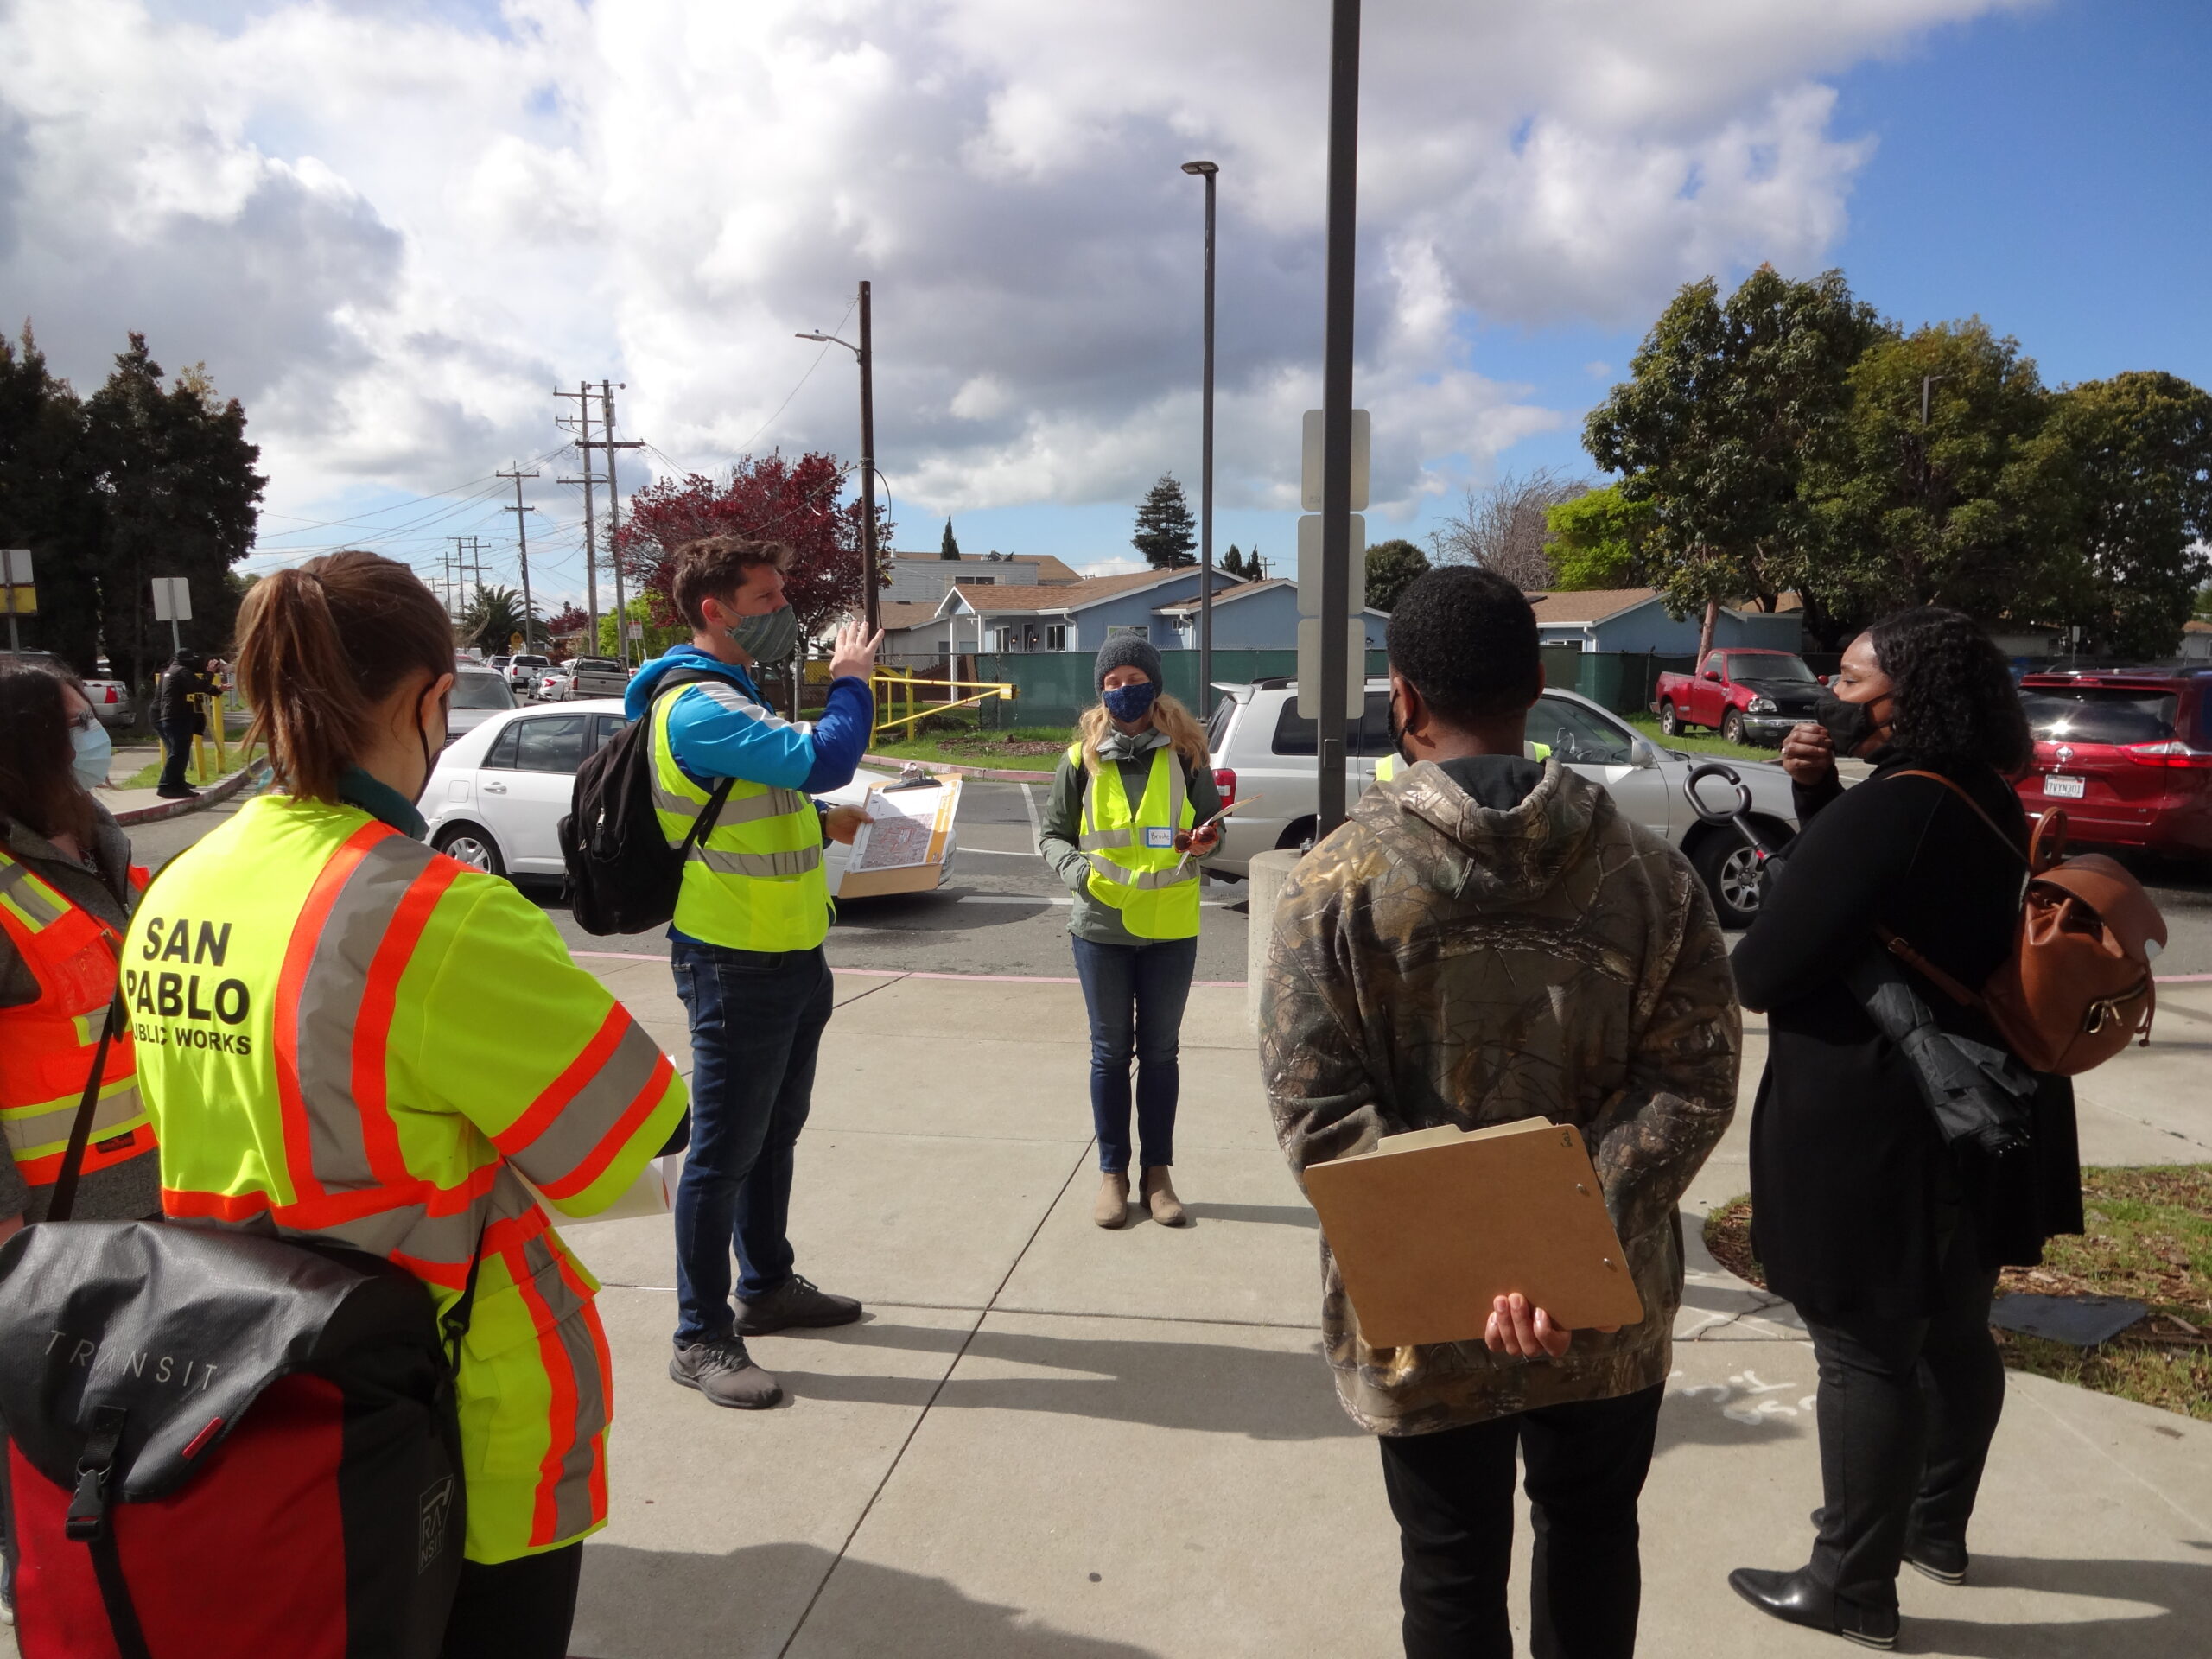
948 546
1597 540
1391 568
1166 534
1232 563
2203 608
49 503
2133 457
494 616
652 612
1726 406
1955 509
180 498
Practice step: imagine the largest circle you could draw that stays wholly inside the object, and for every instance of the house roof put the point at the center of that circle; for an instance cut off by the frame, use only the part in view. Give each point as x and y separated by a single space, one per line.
1592 606
1056 597
1230 595
1049 570
2196 625
904 614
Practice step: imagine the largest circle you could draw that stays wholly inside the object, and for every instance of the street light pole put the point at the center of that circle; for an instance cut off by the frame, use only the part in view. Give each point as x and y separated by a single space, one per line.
864 354
1206 170
1335 411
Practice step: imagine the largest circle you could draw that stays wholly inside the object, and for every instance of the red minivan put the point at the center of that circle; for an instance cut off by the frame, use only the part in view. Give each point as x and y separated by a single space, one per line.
2127 752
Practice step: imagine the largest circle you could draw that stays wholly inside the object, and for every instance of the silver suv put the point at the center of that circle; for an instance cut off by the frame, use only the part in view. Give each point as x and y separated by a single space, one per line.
1263 751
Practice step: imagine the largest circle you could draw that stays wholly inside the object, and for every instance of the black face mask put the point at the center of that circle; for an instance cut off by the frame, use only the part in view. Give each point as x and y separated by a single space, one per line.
1397 732
1849 723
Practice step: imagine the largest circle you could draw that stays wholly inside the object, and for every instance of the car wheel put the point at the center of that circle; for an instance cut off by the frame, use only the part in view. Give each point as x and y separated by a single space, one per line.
1298 837
466 844
1731 726
1669 723
1731 874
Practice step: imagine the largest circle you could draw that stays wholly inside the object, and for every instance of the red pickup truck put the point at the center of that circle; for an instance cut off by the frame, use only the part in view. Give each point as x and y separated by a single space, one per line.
1749 697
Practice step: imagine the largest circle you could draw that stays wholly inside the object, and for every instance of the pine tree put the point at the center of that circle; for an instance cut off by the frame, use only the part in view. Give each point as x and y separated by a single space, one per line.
948 548
1165 533
1232 563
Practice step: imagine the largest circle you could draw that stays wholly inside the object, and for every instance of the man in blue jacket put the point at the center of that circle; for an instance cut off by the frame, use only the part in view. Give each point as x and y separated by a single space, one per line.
751 916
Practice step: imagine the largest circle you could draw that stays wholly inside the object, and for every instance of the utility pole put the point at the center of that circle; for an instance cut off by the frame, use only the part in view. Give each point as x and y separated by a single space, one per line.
522 553
607 390
1206 170
869 603
1335 407
584 446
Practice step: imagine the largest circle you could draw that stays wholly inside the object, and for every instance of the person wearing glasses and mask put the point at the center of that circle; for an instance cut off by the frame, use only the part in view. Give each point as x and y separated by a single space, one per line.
750 916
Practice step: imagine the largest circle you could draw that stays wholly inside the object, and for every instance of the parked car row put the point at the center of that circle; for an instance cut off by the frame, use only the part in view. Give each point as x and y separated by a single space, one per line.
2127 753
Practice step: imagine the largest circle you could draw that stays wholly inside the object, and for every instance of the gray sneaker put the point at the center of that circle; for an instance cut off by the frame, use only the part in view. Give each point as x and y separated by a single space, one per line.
725 1373
797 1302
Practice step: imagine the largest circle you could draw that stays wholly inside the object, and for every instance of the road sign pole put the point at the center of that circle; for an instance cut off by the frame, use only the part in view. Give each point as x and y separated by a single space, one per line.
1335 404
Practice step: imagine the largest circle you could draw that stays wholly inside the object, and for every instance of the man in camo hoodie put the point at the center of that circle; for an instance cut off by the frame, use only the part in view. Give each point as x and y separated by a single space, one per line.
1487 940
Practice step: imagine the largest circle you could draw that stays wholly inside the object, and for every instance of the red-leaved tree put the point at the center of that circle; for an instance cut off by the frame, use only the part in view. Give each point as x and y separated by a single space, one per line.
569 619
799 502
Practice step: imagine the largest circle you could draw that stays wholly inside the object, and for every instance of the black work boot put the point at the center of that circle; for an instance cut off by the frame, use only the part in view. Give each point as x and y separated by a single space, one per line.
797 1303
725 1373
1800 1599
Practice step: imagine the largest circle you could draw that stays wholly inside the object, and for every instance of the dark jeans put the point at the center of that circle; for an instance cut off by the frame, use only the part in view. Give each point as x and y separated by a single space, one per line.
176 750
1907 1410
1135 994
756 1025
518 1609
1453 1493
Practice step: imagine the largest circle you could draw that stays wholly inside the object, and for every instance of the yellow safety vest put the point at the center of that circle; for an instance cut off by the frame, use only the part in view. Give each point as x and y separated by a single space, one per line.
1135 867
753 881
1386 766
372 1043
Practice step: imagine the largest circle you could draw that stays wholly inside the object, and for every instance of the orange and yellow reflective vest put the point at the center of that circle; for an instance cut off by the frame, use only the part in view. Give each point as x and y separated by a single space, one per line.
342 1033
1135 866
46 1045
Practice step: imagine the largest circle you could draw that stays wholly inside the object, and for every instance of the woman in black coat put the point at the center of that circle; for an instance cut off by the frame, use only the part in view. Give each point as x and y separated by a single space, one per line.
1887 1244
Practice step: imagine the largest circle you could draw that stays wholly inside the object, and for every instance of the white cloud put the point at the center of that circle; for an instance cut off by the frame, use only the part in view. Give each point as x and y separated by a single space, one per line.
391 232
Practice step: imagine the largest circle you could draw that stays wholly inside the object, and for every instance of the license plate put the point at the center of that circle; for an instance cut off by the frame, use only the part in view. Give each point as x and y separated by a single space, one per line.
2064 789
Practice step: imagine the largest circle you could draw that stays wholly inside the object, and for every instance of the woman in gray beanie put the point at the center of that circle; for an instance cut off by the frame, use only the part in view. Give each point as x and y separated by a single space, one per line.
1123 830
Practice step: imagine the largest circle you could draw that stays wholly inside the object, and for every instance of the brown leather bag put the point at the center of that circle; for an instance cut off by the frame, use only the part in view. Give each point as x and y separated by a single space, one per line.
2077 987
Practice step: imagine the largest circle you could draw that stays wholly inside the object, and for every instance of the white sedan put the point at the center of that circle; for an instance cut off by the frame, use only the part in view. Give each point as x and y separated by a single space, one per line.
500 791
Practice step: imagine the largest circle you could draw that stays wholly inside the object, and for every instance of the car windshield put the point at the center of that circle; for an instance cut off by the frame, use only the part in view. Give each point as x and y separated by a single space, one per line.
1574 733
530 661
2097 714
482 691
1763 665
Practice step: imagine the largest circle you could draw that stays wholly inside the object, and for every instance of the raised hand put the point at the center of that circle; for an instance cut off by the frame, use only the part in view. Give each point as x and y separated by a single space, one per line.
854 654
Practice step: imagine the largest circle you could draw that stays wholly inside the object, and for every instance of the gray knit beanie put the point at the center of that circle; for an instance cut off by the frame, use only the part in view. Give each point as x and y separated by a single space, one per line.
1123 648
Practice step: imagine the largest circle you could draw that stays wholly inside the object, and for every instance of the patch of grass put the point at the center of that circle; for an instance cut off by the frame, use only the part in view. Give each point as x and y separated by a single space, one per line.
1698 740
1030 748
2149 1237
147 776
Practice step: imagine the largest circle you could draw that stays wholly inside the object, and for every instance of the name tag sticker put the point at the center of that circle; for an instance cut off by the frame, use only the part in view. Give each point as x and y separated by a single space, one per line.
1159 840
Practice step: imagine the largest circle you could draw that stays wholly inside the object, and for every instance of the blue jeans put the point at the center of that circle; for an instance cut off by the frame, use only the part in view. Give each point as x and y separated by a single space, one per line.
756 1026
1135 994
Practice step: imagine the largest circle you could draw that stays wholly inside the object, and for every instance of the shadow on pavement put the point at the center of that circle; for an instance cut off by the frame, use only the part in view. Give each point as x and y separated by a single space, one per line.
1280 1215
659 1603
2179 1593
1261 1393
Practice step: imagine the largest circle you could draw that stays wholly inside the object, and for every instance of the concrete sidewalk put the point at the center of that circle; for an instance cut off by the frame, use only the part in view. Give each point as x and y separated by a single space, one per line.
1053 1442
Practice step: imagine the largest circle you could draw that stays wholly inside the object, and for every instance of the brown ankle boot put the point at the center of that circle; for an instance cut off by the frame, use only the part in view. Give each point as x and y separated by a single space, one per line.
1112 1208
1160 1198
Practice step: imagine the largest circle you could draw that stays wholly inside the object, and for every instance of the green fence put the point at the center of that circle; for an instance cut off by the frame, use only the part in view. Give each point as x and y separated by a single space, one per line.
1056 686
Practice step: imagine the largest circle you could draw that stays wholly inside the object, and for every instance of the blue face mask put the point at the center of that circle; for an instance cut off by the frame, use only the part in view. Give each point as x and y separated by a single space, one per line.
1130 703
94 752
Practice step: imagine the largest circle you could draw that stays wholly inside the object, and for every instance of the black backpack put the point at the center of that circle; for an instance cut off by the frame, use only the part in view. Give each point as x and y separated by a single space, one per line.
623 875
223 1445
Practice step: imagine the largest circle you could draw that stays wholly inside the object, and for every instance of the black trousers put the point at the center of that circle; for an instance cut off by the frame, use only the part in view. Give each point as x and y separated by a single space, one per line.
517 1610
1452 1494
1907 1410
177 751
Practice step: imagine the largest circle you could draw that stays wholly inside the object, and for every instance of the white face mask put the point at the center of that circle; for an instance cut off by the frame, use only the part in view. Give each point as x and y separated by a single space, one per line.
95 752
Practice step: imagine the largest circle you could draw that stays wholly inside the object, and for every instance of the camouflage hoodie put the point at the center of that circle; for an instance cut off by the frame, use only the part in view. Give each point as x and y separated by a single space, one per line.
1435 960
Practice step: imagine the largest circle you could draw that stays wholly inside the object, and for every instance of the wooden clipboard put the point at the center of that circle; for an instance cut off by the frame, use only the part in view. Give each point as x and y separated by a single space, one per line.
1429 1228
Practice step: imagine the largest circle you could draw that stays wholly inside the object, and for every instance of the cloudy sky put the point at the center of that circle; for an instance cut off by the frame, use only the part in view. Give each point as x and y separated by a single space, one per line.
392 229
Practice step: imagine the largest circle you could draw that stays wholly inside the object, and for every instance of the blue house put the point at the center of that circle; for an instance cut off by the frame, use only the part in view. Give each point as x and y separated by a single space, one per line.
1257 616
1633 618
1075 616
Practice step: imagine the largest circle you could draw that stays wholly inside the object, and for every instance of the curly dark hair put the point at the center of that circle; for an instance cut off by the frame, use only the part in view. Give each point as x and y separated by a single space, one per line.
1466 639
1956 700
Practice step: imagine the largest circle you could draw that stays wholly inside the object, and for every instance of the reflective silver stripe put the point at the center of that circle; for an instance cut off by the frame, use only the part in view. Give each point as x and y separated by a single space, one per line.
572 1504
746 809
797 863
1099 838
41 1129
737 702
446 1240
1121 876
30 894
588 1116
330 1006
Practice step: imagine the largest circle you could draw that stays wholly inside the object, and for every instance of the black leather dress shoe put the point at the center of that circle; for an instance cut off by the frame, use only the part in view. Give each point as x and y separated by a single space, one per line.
1797 1599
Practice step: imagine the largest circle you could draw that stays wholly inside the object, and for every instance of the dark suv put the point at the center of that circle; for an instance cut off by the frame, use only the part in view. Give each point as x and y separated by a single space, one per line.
2127 752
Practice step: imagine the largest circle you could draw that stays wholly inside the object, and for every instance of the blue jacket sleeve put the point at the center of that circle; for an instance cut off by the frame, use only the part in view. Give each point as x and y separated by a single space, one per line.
841 736
711 739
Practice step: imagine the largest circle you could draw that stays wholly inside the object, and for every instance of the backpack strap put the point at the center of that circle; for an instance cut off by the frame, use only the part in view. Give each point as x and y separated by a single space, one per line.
1995 828
1903 949
81 1128
452 1324
675 680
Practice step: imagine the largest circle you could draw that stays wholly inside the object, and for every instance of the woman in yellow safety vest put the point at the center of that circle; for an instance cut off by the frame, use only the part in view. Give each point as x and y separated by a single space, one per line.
344 1034
1130 816
66 886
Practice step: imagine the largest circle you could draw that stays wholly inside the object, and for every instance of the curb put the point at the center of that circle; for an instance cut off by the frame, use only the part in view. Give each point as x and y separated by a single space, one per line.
214 795
994 774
